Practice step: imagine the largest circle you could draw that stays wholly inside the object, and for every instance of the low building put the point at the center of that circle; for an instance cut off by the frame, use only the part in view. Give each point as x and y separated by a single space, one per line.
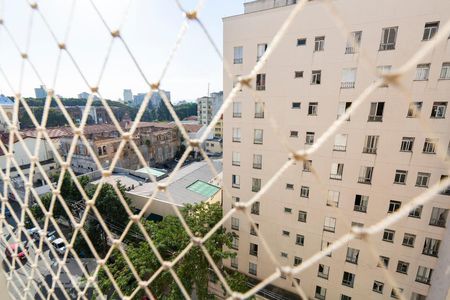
214 146
192 184
8 107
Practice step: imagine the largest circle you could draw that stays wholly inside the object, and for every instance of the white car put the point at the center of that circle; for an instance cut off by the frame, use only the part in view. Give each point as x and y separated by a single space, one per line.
33 231
60 246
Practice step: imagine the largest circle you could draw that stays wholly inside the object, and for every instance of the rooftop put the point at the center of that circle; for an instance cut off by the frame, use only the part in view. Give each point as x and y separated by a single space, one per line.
5 100
190 184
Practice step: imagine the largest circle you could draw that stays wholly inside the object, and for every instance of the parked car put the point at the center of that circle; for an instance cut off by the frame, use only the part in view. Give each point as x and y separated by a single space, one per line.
60 246
33 231
51 235
21 251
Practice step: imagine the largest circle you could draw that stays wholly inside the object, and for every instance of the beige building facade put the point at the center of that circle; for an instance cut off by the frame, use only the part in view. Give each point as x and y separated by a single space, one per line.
377 161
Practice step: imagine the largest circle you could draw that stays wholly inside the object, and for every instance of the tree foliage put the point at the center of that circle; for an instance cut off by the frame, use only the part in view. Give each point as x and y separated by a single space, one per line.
170 238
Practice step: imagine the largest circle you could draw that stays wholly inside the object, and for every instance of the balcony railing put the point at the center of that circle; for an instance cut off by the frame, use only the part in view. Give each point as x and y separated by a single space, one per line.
237 61
237 114
258 141
257 166
364 180
259 115
339 148
423 279
260 87
236 163
236 139
320 297
234 226
329 228
370 150
348 85
350 50
387 46
360 208
336 176
430 251
375 118
437 222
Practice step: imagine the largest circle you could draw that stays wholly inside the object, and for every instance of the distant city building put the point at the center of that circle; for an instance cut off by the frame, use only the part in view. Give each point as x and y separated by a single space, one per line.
40 92
127 96
155 99
83 95
216 102
208 106
8 107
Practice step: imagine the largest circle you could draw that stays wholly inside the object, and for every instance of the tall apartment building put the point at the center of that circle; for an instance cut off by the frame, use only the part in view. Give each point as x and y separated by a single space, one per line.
380 159
40 92
208 106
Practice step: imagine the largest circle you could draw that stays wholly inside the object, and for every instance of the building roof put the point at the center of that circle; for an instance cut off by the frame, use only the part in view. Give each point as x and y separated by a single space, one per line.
190 185
192 128
152 171
157 125
53 132
191 118
5 100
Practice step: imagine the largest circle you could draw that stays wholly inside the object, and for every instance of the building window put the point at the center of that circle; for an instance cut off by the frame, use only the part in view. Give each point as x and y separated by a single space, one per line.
235 181
388 38
402 267
288 210
294 133
284 255
237 113
298 74
252 269
348 78
235 242
394 206
414 109
430 30
438 110
260 50
316 76
257 161
260 82
234 223
258 136
337 170
382 71
238 55
309 139
342 109
324 246
407 144
378 287
416 212
236 158
259 110
345 297
333 198
235 199
446 190
301 42
365 175
302 216
329 224
255 208
313 108
422 72
415 296
445 71
400 176
438 216
348 279
424 275
319 43
296 105
431 247
289 186
352 255
409 239
307 165
383 261
361 203
370 144
321 293
340 142
304 192
252 229
388 235
353 42
300 240
376 112
234 262
253 249
256 184
423 179
323 271
297 260
236 135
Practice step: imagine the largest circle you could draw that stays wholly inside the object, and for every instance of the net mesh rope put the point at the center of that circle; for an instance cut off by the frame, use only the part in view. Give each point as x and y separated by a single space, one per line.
20 287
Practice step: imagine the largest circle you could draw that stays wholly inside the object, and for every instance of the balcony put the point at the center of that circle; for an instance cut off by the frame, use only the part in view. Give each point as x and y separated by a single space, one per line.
336 176
348 85
370 150
237 114
341 148
375 119
259 115
360 208
364 180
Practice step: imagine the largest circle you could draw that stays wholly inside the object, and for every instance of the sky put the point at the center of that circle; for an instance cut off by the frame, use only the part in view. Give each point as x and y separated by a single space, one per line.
150 29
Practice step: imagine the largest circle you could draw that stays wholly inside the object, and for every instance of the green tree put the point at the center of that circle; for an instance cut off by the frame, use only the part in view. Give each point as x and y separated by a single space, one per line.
170 239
